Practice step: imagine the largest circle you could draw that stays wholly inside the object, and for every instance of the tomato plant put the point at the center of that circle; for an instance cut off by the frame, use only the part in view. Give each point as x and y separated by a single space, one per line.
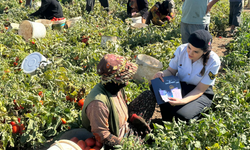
45 101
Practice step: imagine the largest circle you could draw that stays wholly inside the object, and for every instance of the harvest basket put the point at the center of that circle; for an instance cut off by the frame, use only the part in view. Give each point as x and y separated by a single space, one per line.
147 67
58 25
29 29
47 23
64 145
81 134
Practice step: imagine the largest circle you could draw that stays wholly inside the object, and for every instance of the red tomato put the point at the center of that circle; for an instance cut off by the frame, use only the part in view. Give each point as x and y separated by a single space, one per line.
17 59
76 58
41 102
21 107
15 63
22 128
74 139
63 121
68 98
12 123
14 101
95 148
72 99
56 19
87 148
40 93
98 144
90 142
81 144
17 108
81 102
33 42
19 120
85 40
15 128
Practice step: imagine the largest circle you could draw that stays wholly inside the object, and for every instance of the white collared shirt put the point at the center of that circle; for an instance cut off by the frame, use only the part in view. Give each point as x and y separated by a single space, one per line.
190 72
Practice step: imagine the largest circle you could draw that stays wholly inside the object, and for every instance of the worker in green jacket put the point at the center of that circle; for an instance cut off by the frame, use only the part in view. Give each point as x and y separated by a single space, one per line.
105 112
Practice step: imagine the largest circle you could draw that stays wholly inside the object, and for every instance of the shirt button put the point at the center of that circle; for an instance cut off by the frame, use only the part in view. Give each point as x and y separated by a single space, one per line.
189 74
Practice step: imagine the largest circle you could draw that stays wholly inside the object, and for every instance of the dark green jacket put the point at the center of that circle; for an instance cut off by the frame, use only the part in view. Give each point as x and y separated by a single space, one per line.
101 94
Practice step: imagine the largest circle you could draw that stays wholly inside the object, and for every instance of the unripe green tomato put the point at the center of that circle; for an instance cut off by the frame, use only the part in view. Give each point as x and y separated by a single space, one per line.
14 118
7 118
3 109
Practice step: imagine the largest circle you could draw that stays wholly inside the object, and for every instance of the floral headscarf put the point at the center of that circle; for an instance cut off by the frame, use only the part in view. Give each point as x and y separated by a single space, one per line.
115 68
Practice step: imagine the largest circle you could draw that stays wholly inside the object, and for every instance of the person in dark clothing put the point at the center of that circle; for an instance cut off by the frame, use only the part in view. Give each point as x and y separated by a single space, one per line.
136 8
91 3
49 9
161 12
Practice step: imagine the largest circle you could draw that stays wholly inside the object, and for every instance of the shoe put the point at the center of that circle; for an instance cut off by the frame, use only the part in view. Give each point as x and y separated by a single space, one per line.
231 33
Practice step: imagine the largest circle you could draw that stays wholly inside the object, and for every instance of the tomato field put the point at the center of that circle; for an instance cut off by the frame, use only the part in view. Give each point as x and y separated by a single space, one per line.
35 108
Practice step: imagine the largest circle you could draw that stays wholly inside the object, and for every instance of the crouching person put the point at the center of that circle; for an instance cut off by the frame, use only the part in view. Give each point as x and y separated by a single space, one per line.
161 12
137 8
105 112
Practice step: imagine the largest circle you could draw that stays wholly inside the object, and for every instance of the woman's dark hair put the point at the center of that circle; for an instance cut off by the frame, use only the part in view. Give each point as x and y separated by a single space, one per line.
205 58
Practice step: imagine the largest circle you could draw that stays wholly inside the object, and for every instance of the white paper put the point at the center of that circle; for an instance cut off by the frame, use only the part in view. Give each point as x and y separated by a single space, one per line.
175 92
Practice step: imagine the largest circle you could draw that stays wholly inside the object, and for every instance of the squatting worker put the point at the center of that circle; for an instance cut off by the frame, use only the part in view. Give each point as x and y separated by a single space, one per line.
197 67
161 12
136 8
105 112
49 9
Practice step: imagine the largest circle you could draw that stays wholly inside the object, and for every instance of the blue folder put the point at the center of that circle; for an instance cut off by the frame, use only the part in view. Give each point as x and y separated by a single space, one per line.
169 83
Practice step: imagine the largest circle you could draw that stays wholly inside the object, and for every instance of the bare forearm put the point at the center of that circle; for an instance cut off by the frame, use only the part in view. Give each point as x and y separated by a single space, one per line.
193 95
212 2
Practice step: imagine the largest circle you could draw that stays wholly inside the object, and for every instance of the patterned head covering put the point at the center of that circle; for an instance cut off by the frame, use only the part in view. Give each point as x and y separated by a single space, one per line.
115 68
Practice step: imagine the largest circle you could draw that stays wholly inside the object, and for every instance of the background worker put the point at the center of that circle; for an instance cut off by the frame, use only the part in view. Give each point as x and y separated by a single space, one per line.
136 8
49 9
161 12
195 16
91 3
234 15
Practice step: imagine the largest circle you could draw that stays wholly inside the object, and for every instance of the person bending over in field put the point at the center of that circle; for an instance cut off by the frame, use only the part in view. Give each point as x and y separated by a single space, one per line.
105 111
136 8
197 67
49 9
161 12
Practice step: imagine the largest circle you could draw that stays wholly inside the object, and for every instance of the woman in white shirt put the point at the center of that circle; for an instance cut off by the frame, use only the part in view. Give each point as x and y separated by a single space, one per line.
196 66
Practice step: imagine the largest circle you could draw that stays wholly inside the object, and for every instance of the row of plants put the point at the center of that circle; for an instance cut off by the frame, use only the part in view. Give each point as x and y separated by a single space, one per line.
35 108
